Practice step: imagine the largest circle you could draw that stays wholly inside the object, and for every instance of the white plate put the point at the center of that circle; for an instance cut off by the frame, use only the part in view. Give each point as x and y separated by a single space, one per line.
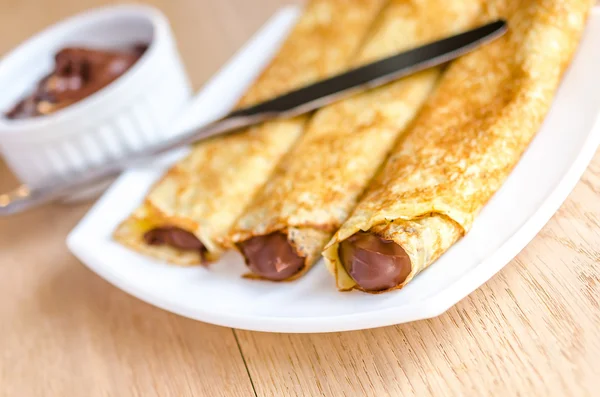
539 184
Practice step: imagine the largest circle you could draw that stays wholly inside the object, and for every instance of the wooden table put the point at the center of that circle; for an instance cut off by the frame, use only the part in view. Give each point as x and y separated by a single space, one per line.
530 331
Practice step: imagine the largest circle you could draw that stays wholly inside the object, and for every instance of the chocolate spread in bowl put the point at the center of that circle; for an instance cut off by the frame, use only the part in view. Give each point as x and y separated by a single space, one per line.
78 73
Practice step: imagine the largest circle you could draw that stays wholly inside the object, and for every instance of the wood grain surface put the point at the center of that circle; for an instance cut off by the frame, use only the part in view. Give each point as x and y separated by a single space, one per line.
530 331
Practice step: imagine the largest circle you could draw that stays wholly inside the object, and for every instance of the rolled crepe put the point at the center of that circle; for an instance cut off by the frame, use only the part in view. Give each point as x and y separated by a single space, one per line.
188 212
461 148
318 183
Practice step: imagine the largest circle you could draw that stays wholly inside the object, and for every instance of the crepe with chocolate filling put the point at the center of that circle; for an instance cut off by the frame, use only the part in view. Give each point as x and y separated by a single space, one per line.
318 183
204 193
461 148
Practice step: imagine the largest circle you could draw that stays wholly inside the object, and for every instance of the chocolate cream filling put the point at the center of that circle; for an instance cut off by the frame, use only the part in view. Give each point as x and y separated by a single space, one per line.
271 256
374 263
78 73
176 238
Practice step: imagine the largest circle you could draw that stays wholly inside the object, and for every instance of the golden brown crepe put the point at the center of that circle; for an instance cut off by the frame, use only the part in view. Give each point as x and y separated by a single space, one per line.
318 183
469 136
209 189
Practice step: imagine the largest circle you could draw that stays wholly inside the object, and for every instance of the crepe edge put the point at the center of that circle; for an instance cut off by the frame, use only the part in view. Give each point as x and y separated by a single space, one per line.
414 234
130 233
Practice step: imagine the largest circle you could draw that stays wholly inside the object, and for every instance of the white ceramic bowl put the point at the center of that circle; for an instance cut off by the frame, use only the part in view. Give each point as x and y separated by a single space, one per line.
132 112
